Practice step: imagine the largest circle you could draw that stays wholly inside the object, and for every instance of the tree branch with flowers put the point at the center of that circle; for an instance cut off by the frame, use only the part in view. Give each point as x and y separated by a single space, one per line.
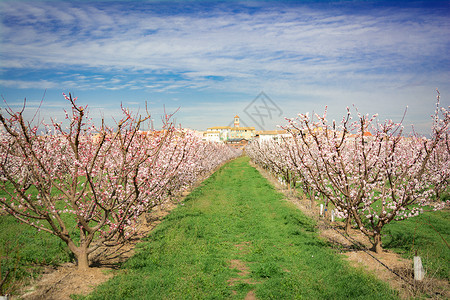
101 178
371 171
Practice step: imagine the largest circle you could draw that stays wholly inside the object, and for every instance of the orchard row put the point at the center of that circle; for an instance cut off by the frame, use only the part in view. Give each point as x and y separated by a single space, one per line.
101 178
370 171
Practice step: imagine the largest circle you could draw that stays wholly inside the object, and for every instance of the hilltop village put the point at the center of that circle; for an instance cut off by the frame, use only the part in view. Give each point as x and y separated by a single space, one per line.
237 136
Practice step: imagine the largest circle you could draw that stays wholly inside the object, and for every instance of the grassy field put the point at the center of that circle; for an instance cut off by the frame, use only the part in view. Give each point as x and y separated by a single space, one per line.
235 235
24 252
428 235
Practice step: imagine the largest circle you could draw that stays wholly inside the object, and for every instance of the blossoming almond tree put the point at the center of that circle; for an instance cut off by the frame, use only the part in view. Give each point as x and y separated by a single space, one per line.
373 178
271 155
101 179
369 170
282 159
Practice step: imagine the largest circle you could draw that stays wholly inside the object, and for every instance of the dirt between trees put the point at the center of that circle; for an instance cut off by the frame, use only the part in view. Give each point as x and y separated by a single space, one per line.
244 271
59 283
354 249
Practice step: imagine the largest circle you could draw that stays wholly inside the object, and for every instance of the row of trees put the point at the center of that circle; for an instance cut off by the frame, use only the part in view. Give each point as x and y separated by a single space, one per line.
101 178
370 171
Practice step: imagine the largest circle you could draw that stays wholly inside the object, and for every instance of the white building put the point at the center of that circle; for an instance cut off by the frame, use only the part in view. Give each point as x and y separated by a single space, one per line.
272 135
211 136
217 134
224 133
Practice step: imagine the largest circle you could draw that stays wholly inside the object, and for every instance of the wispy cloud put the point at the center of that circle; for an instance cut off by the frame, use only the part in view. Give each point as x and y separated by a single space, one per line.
293 51
27 84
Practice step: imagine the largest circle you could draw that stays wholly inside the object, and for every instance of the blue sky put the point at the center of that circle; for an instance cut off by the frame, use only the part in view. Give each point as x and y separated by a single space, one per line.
212 58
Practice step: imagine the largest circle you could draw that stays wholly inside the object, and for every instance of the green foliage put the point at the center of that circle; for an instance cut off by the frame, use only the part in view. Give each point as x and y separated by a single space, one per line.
236 215
428 234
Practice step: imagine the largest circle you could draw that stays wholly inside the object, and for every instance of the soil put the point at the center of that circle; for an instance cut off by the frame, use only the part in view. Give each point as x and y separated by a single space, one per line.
59 283
386 266
244 271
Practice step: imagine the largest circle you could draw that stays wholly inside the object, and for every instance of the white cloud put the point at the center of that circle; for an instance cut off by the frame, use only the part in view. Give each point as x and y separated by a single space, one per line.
24 84
227 43
296 53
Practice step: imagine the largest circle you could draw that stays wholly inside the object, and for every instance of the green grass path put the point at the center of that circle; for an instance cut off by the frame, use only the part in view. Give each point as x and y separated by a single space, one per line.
234 235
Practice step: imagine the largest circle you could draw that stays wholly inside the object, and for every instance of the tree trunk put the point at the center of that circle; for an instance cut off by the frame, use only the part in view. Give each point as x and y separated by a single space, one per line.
81 254
82 259
377 243
311 198
348 224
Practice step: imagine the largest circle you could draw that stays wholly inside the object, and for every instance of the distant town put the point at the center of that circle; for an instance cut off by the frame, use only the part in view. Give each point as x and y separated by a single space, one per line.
237 136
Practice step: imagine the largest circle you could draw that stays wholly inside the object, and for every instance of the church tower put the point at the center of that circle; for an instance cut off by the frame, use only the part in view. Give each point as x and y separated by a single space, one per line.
236 121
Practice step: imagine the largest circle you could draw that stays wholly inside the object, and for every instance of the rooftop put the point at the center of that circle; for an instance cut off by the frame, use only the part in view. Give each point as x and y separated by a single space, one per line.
220 127
271 132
